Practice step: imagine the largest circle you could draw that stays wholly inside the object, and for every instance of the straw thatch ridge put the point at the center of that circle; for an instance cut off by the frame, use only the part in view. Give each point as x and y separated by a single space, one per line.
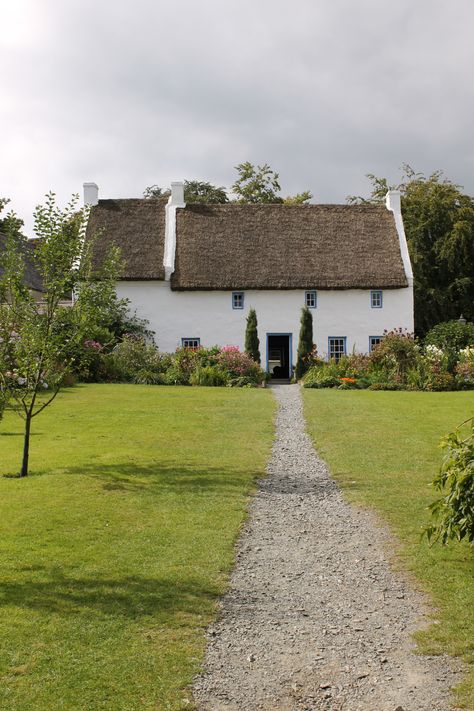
137 227
287 247
32 277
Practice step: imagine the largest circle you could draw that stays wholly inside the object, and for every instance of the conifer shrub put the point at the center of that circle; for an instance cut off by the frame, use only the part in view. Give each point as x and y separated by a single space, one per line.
305 343
252 342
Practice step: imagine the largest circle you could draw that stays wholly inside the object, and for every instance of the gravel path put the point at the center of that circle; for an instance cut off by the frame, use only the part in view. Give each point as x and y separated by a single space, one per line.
315 619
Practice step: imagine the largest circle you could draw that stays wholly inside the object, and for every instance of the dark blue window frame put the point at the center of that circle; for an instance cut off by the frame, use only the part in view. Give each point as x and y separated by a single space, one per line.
184 340
371 342
376 295
337 355
311 296
238 298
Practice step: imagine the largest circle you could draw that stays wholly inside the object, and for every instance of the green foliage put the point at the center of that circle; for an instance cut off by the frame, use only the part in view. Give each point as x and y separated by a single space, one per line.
305 343
255 184
209 375
451 337
439 225
465 369
252 342
320 377
239 365
260 184
195 191
454 511
136 361
35 350
397 350
348 372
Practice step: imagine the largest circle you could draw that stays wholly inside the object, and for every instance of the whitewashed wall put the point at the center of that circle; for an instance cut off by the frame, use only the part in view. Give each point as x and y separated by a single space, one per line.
209 315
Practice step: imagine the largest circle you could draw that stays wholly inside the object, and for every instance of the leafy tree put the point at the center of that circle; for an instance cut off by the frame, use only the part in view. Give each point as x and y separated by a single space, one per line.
34 349
255 184
305 344
195 191
260 184
439 224
252 342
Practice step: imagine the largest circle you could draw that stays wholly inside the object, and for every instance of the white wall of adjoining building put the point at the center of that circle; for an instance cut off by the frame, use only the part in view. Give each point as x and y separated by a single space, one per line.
209 316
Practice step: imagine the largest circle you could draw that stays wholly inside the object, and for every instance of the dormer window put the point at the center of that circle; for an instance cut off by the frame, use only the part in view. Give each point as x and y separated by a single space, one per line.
237 299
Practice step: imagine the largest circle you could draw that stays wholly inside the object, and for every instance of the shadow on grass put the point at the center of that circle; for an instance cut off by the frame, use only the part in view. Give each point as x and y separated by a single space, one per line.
130 596
159 476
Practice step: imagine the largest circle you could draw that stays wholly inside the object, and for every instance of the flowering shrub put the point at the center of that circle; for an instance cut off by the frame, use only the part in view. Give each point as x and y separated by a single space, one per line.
451 337
398 350
465 368
133 358
238 364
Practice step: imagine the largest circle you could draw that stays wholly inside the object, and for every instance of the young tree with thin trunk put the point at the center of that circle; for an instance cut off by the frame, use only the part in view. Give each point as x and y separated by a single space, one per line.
35 347
305 344
251 337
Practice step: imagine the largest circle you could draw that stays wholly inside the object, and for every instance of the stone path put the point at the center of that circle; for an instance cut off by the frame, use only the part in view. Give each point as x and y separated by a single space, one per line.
315 619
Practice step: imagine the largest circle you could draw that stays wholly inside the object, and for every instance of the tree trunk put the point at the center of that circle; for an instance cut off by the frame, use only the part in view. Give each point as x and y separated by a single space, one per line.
26 446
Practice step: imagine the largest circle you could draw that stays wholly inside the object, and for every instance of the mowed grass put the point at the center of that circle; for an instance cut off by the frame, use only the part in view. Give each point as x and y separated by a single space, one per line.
115 549
382 447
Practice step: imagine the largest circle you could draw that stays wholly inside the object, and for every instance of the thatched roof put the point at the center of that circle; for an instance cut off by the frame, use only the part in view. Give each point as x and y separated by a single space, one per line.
32 277
137 226
255 246
287 247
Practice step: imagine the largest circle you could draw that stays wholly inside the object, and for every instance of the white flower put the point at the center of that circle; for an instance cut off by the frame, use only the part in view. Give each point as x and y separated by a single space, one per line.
433 352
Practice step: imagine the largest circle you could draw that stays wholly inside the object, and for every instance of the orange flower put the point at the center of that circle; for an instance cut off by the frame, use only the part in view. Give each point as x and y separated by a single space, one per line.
348 380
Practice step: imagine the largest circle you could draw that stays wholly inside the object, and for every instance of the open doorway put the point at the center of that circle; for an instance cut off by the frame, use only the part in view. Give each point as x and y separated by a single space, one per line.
279 355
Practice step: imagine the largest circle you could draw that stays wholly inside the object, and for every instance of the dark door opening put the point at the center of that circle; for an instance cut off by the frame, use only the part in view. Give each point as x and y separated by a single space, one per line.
278 356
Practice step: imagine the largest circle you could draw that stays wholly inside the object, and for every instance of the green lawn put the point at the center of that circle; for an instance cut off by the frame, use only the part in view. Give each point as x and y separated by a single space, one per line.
114 551
382 447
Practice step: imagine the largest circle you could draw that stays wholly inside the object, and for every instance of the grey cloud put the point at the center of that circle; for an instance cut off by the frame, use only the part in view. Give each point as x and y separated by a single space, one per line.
134 93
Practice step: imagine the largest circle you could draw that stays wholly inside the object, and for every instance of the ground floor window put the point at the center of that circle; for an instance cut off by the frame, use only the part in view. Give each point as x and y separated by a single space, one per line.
337 347
191 342
374 341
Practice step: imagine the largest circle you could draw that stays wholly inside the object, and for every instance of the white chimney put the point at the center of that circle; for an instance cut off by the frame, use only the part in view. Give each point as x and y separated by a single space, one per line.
177 195
176 199
393 201
91 194
394 204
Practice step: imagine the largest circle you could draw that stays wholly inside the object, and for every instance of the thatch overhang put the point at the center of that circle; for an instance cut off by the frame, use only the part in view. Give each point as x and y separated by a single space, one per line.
137 227
287 247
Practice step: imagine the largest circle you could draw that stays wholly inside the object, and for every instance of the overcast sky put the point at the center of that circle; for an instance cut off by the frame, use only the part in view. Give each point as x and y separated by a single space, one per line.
131 93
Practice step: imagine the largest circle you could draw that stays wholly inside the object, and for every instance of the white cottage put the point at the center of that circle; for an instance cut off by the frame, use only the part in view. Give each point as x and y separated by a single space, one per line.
194 271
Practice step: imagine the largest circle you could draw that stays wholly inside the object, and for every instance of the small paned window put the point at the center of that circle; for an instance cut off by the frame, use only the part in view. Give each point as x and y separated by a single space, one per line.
337 347
311 299
192 343
374 341
376 300
237 299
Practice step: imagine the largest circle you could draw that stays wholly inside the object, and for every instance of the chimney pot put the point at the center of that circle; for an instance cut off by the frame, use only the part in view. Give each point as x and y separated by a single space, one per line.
393 201
91 194
177 194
